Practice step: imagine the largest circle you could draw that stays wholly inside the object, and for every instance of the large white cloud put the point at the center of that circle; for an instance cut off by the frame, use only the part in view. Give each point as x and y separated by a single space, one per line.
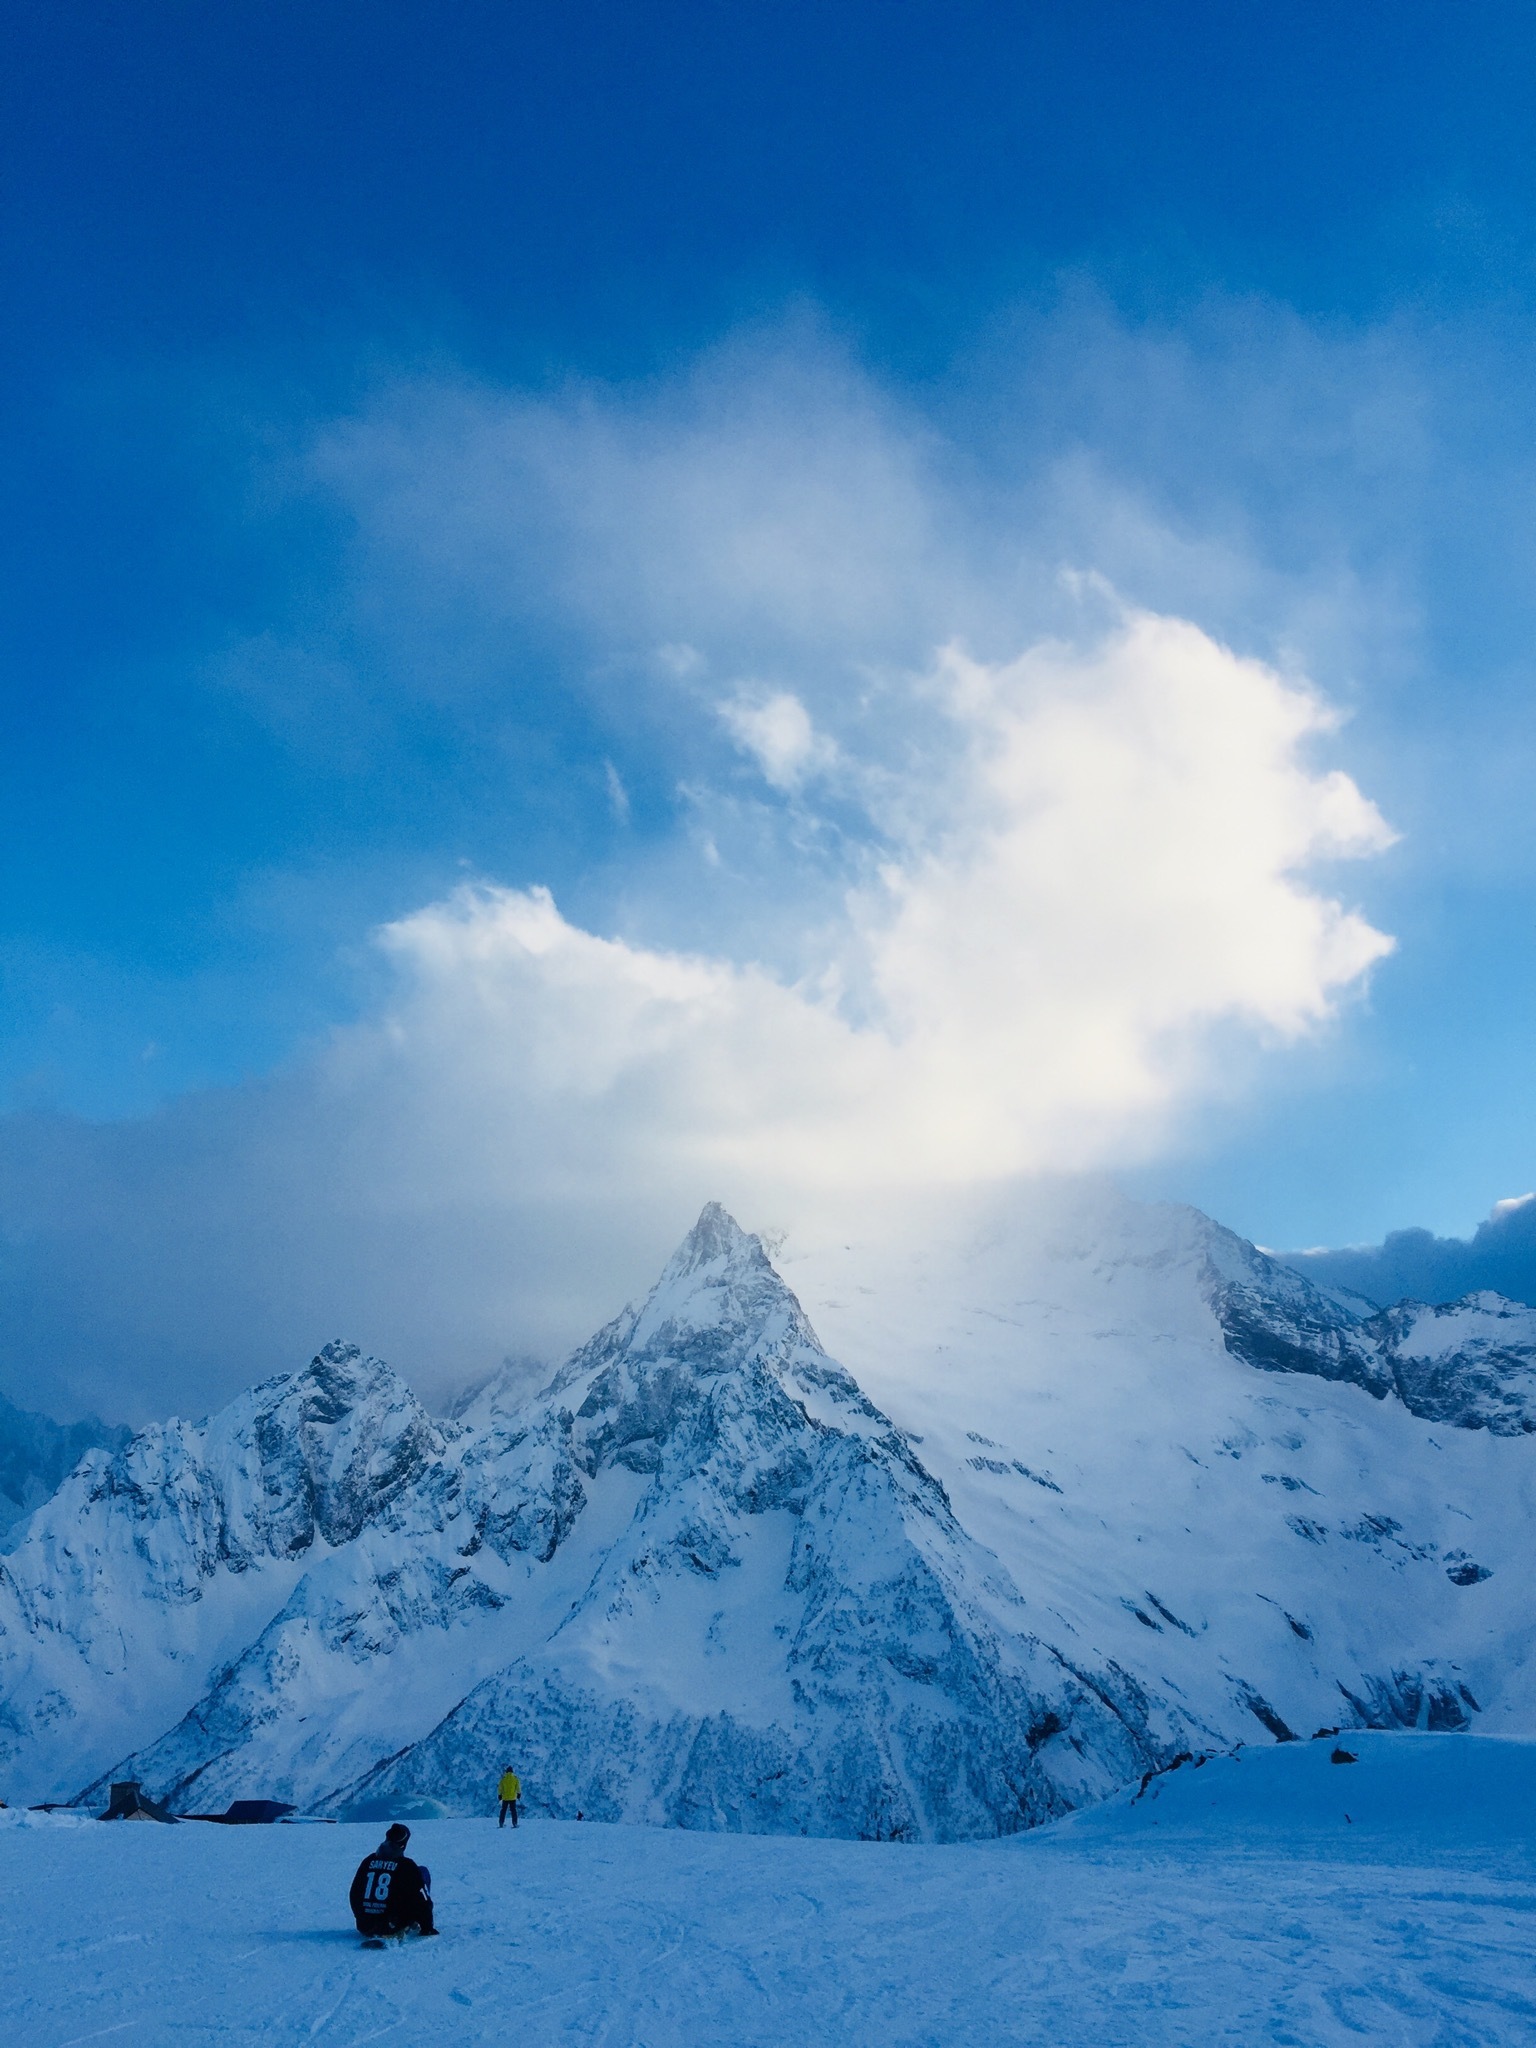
973 872
1076 905
1112 861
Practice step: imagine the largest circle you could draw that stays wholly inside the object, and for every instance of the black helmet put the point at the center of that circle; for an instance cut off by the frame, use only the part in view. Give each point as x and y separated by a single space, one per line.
398 1833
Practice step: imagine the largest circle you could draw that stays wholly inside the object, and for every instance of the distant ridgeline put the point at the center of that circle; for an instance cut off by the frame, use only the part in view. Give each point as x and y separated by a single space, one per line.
37 1454
1131 1490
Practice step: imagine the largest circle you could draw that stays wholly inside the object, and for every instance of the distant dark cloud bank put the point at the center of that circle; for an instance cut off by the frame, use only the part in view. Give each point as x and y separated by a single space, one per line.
1417 1265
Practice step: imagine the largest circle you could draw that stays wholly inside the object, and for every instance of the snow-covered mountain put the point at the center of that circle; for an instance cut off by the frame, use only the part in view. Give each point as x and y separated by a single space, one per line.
36 1453
1092 1482
1280 1509
1471 1363
789 1630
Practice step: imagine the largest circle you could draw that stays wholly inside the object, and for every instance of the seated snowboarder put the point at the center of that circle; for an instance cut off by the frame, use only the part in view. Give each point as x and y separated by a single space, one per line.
391 1894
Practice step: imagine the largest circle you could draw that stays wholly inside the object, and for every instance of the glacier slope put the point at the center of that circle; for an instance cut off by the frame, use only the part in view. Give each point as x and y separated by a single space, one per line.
1285 1547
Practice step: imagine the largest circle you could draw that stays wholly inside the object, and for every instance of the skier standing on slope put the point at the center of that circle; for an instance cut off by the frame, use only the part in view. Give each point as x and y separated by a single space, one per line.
509 1791
391 1894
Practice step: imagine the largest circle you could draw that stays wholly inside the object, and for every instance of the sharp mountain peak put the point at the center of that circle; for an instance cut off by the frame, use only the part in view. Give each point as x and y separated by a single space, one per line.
1055 1528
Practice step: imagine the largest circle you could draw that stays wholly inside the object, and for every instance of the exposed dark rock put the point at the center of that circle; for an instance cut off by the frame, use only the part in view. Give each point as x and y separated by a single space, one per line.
1470 1363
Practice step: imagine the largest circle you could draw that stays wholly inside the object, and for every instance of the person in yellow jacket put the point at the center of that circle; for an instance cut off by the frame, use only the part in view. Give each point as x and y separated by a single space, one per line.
509 1791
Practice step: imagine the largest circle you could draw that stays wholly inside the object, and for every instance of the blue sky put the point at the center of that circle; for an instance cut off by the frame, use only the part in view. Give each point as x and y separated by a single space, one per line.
442 442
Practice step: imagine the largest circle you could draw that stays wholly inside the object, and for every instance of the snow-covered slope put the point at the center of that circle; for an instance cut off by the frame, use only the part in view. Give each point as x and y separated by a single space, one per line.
1277 1898
1093 1482
1278 1548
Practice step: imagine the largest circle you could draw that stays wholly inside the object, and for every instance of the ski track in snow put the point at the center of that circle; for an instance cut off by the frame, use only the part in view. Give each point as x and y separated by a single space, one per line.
1233 1905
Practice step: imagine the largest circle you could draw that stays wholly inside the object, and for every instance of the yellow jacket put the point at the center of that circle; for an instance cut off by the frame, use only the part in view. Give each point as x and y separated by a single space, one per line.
511 1786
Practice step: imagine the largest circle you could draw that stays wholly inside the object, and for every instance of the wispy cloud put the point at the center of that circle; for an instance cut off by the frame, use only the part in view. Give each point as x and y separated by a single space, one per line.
618 795
775 728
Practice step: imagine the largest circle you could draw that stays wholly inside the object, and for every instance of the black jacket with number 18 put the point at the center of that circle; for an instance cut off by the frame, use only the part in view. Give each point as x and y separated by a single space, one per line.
387 1890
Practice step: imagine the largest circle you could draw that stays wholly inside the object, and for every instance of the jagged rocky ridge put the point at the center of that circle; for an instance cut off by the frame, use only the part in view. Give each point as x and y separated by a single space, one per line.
1469 1363
882 1678
37 1454
706 1577
738 1597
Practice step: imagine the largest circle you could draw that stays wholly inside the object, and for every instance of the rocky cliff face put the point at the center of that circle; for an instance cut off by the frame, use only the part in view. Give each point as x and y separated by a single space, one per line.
1471 1363
1468 1363
151 1559
1057 1528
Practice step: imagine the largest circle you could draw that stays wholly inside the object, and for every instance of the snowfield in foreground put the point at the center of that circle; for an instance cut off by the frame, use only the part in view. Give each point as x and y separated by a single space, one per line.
1234 1903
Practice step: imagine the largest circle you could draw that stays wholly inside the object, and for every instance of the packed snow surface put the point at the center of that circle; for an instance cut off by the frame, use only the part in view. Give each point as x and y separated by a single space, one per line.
1274 1897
